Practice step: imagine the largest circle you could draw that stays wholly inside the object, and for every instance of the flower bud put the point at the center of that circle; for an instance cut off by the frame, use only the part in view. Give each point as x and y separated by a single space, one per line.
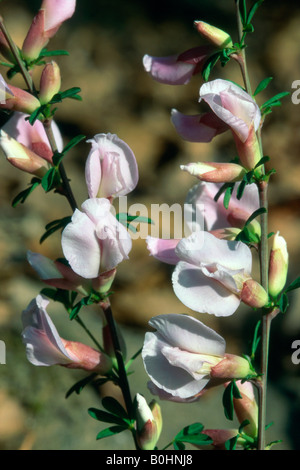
45 25
253 294
231 367
219 437
278 265
214 35
17 99
215 172
148 428
50 82
246 408
249 150
22 157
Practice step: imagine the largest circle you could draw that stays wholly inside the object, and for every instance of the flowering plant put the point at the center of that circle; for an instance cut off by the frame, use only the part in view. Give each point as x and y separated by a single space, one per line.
213 263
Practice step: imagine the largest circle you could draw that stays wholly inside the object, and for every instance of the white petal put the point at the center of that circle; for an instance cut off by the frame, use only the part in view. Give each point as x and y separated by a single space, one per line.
201 293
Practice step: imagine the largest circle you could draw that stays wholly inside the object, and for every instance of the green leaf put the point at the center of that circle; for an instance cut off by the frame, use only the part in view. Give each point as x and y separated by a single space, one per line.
178 445
105 417
261 210
262 85
262 161
256 340
209 65
73 143
23 195
108 432
82 303
231 443
231 392
54 226
294 285
114 407
283 303
227 196
253 10
46 53
79 386
50 180
70 93
193 434
275 100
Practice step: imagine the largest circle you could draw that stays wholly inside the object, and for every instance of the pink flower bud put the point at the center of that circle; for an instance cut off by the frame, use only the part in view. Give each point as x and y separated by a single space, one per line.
111 168
148 428
278 265
215 172
248 151
214 35
50 82
33 136
44 346
246 408
231 367
22 157
45 25
17 99
219 437
253 294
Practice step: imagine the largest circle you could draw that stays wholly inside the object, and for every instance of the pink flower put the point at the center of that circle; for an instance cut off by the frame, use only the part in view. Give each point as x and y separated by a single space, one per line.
22 157
177 69
16 99
44 346
212 273
240 112
58 274
33 136
94 241
182 353
200 198
198 127
232 105
111 168
45 25
204 213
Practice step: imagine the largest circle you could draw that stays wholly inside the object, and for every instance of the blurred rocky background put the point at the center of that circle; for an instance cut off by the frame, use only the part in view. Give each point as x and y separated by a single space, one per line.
106 41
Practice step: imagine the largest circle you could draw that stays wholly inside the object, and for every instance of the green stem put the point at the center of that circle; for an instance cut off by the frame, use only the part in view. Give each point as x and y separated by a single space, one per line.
241 55
82 324
263 254
67 188
16 54
123 379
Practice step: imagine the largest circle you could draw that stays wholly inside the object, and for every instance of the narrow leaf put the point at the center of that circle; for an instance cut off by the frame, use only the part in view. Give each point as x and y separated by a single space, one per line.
108 432
294 285
114 407
212 61
79 386
23 195
261 210
253 10
262 85
273 101
105 417
73 143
